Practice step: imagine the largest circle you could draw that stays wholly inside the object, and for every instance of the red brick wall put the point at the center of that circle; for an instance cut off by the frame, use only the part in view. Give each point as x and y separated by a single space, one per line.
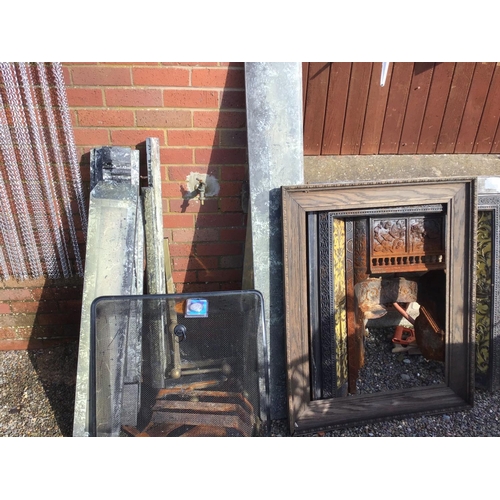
39 313
197 110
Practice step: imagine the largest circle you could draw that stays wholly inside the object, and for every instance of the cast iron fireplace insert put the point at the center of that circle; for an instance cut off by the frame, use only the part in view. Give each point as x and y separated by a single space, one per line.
352 251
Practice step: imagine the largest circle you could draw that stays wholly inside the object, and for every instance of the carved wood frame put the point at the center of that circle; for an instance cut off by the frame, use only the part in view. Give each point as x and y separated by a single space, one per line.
460 198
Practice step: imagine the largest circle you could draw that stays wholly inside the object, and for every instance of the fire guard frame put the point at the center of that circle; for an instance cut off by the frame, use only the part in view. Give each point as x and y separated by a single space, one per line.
458 196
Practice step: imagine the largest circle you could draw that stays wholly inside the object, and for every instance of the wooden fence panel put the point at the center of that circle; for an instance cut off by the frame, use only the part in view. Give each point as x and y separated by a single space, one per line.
424 108
455 107
415 109
338 89
490 117
317 87
396 107
305 77
375 111
436 105
474 107
496 142
356 108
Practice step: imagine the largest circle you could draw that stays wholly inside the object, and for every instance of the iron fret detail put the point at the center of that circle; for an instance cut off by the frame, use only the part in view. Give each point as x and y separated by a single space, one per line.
491 287
409 209
326 306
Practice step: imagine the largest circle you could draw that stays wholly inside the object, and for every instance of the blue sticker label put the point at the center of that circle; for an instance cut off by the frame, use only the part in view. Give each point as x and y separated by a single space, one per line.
196 308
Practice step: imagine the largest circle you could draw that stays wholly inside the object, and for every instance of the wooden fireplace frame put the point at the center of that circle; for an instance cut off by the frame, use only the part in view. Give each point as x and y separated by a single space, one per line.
459 197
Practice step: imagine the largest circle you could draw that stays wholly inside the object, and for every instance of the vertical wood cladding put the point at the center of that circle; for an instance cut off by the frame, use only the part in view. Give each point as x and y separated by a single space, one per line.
423 108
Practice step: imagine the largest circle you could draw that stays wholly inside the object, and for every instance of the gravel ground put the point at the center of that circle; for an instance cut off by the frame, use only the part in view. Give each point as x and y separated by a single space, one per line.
37 390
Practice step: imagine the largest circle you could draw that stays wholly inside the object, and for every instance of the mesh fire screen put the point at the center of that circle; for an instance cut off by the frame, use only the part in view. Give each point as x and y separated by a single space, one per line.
179 365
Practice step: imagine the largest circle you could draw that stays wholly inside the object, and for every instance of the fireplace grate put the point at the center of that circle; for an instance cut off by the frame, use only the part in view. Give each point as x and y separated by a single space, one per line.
179 365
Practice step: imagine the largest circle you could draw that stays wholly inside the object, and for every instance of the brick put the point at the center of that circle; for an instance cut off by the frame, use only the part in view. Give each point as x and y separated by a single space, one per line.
16 320
230 205
196 288
232 99
192 137
134 97
179 250
22 345
218 77
193 205
218 248
181 173
4 308
221 275
54 331
189 63
70 305
163 118
84 97
66 76
13 283
234 234
106 118
230 189
232 64
190 98
15 294
134 136
7 333
101 75
192 263
220 156
181 156
110 63
171 189
168 77
91 137
14 345
178 220
34 307
58 293
231 261
219 119
235 285
200 234
233 138
220 220
233 173
59 319
184 276
73 116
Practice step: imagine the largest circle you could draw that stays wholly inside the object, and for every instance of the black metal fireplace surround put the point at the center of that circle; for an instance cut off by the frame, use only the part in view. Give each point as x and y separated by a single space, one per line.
351 248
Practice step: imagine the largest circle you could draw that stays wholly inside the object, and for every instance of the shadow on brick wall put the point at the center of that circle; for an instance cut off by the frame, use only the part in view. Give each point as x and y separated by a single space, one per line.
209 256
53 345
